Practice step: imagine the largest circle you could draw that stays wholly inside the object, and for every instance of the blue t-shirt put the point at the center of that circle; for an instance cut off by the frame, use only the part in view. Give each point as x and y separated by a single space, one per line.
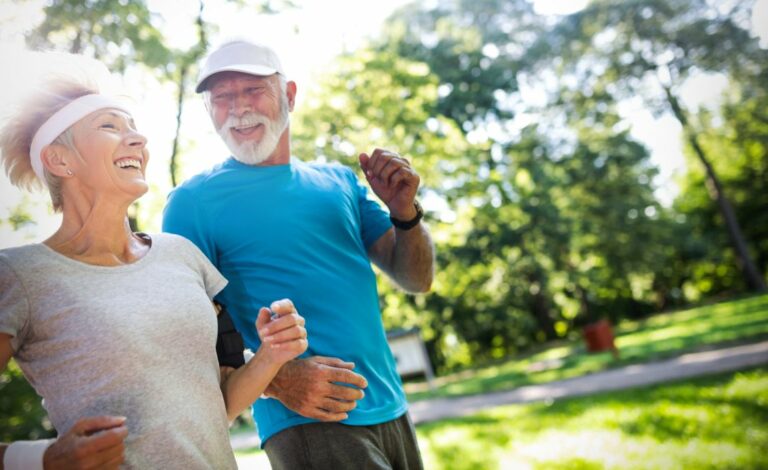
299 231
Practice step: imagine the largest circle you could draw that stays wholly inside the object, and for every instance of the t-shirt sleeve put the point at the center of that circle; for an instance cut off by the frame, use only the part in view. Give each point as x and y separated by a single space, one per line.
374 221
14 306
182 216
213 281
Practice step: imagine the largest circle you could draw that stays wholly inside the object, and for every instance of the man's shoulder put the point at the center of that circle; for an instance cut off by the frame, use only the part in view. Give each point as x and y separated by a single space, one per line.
331 169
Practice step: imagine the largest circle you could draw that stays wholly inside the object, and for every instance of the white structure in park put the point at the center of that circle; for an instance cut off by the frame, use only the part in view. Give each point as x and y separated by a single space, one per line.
410 354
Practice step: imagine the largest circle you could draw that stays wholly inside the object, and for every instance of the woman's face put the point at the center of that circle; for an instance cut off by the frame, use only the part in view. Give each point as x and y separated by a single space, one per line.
113 155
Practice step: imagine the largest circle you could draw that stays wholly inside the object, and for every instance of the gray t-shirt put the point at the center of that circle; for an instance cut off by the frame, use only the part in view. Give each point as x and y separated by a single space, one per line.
136 340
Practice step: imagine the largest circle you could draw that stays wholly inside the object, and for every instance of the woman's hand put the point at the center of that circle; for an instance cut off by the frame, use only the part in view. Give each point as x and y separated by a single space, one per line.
283 337
95 442
282 333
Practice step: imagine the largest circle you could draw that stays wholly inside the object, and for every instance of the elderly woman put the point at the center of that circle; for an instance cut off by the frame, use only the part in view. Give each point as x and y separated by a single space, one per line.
115 329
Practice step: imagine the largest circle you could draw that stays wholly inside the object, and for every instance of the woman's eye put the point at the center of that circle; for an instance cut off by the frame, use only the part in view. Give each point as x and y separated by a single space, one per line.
107 125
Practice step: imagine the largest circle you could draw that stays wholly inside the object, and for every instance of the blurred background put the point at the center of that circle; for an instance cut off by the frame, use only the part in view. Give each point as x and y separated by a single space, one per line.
581 161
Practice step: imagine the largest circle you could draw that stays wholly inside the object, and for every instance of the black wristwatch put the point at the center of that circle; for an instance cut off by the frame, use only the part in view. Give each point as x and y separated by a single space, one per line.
409 224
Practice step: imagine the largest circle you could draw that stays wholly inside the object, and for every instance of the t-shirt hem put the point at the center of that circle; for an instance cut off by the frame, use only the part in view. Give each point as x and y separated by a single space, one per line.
367 420
379 233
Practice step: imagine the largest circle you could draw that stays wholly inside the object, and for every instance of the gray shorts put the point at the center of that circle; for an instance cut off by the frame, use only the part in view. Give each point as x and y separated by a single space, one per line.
335 446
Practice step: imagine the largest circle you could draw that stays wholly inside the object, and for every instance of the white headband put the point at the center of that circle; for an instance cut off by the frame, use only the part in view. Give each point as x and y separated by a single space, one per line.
61 120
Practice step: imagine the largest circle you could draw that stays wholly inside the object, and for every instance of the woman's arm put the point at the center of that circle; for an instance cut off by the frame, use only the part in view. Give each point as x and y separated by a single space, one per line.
95 442
283 337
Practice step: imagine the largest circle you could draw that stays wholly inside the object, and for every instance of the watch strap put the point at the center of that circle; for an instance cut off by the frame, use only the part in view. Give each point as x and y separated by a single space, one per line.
409 224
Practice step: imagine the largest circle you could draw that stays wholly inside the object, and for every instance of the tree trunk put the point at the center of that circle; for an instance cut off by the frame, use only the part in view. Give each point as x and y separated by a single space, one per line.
184 64
76 46
752 274
540 306
180 108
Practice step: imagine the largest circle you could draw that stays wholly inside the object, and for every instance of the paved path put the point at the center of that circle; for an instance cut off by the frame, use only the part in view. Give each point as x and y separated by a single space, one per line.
682 367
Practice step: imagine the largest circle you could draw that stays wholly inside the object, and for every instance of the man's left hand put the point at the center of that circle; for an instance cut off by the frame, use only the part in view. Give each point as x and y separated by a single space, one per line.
393 180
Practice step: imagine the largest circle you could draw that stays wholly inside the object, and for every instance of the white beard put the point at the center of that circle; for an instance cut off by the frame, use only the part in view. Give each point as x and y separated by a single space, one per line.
254 152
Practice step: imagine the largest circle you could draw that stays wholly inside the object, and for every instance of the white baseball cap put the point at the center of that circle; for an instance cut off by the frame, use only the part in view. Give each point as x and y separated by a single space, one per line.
239 56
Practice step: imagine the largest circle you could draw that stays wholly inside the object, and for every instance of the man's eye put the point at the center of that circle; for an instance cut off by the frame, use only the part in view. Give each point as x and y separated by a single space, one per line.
107 125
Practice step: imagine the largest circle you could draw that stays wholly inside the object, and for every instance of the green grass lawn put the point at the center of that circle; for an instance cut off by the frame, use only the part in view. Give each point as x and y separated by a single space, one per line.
718 422
658 337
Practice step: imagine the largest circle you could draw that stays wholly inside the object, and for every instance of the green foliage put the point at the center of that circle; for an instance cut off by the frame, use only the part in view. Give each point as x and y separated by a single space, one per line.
116 32
19 217
618 50
713 423
475 47
21 413
740 140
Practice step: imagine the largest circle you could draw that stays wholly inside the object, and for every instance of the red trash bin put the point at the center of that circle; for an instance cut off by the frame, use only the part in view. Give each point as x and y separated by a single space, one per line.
599 337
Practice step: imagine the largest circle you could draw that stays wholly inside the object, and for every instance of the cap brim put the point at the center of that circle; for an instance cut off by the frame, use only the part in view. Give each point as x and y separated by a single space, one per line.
250 69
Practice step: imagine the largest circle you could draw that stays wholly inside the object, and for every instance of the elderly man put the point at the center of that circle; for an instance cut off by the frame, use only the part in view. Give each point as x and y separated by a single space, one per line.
279 227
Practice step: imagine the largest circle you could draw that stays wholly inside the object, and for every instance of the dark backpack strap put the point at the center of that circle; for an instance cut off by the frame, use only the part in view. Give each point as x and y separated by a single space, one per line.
229 343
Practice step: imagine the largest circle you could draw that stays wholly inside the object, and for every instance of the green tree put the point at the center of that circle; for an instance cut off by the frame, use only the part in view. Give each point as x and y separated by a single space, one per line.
649 48
739 136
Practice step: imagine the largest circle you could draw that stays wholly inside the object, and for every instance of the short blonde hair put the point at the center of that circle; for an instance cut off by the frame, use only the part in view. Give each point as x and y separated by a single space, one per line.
16 136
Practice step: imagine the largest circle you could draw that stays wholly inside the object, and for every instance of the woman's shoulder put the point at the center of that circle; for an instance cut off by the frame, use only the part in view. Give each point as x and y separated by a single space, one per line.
23 261
19 253
165 240
173 244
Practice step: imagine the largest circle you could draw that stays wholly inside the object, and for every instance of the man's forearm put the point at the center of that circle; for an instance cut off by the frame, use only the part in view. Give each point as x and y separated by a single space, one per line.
413 259
317 387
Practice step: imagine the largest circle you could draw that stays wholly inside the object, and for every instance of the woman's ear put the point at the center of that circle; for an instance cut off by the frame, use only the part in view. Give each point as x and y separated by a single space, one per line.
55 160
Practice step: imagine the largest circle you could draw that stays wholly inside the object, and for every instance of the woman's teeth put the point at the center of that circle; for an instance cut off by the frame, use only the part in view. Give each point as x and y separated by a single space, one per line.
129 163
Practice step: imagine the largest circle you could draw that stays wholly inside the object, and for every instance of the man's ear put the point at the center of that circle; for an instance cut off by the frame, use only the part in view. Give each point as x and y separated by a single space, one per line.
290 90
55 160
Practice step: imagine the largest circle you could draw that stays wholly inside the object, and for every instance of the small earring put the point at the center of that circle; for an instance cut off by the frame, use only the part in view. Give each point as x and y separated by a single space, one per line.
69 172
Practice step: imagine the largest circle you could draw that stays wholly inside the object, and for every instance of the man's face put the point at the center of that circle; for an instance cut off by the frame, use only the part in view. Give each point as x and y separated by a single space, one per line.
250 114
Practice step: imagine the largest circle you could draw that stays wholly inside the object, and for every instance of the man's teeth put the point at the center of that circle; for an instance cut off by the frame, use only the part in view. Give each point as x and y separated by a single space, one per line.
129 164
245 127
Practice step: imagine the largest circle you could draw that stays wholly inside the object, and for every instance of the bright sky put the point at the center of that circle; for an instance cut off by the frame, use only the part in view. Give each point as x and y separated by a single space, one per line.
306 39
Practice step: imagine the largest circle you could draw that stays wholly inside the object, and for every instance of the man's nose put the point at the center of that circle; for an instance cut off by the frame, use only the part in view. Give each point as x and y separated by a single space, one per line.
240 104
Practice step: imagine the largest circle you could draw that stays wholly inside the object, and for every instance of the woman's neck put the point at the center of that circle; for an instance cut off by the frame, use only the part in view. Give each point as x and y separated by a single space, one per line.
97 233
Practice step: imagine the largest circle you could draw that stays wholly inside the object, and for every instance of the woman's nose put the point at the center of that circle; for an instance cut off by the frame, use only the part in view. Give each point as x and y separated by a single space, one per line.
135 139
